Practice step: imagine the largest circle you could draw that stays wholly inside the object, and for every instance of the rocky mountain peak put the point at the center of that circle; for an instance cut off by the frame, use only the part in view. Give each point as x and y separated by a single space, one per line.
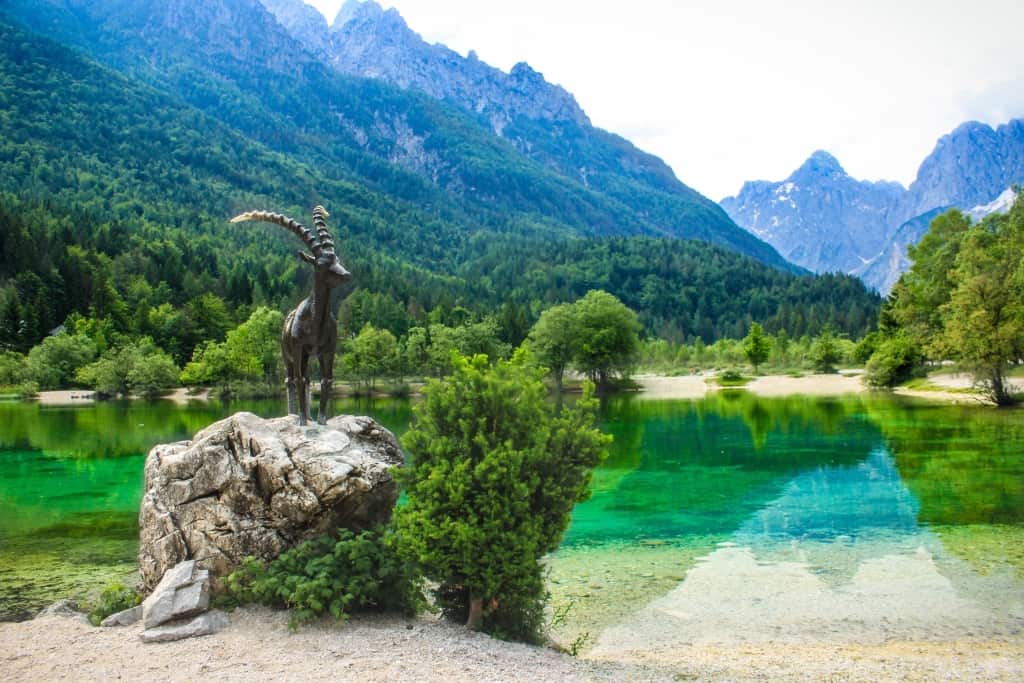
823 219
820 163
367 40
367 13
303 22
970 166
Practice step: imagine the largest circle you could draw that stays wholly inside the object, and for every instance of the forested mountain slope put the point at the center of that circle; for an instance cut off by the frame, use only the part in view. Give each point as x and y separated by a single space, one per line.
234 61
116 194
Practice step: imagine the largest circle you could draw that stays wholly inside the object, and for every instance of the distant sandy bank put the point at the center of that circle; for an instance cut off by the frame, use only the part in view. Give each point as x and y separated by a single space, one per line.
77 397
696 386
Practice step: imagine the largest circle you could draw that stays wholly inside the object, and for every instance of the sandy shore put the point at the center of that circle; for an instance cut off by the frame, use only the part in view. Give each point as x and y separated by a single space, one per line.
696 386
257 646
74 397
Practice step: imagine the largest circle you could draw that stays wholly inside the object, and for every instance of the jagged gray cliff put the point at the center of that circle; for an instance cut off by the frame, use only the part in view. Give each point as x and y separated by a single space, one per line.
369 41
824 220
819 217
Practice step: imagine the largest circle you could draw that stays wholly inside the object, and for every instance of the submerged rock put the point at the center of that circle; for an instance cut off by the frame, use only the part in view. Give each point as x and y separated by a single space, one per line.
252 486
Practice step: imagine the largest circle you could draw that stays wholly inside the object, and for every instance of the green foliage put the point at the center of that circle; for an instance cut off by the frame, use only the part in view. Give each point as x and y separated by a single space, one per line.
496 472
57 359
896 359
114 196
554 339
134 368
251 355
336 576
867 346
13 368
608 334
115 597
963 296
825 354
756 346
253 349
372 354
209 365
732 378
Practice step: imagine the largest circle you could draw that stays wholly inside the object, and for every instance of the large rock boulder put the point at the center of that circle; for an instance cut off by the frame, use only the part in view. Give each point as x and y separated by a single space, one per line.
251 486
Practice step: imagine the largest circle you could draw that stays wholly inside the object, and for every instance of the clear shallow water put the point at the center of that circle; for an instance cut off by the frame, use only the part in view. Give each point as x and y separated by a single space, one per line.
727 518
71 482
738 519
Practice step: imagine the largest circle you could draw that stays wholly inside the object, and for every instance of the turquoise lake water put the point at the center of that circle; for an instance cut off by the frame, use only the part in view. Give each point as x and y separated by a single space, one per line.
729 517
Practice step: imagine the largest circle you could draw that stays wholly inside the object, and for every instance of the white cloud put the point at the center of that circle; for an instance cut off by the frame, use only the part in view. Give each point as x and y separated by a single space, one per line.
732 90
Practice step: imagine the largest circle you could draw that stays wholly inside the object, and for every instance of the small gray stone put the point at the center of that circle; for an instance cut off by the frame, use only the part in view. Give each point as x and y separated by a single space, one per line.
203 625
61 608
184 591
125 617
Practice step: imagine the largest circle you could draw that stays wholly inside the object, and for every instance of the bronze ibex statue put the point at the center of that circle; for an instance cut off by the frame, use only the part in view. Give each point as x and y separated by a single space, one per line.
310 328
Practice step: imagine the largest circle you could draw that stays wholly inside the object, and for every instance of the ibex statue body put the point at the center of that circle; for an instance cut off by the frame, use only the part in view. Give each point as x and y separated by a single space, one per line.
310 329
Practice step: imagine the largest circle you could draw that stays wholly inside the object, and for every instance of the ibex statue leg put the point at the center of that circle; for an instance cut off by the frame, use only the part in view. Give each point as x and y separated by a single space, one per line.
293 407
326 386
302 388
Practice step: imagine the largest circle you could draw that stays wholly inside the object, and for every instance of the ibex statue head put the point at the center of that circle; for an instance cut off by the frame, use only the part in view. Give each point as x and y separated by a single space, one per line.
310 328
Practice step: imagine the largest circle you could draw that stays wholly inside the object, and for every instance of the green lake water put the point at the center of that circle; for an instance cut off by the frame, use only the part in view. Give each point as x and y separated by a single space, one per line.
729 518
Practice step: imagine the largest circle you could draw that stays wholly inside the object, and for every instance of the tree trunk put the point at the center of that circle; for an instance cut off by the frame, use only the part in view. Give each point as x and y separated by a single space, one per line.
476 613
1000 395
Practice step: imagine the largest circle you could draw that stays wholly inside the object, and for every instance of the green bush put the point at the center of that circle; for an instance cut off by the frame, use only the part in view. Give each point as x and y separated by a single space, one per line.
825 352
115 598
336 576
895 360
496 472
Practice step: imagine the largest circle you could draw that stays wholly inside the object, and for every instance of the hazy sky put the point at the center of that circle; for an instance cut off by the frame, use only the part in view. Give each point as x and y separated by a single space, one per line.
734 90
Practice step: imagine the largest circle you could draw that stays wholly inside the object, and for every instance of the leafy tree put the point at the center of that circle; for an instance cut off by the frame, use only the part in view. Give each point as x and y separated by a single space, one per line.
922 290
984 317
254 348
371 354
209 365
495 475
554 340
867 346
825 353
756 346
415 351
55 360
608 336
140 368
13 369
963 297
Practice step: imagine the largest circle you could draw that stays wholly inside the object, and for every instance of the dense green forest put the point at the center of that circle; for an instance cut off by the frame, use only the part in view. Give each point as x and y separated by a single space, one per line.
115 195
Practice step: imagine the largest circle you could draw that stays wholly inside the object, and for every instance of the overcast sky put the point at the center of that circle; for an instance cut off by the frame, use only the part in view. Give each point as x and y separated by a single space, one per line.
734 90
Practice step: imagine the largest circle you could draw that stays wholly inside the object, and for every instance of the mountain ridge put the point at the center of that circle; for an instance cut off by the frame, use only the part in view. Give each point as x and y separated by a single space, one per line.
823 219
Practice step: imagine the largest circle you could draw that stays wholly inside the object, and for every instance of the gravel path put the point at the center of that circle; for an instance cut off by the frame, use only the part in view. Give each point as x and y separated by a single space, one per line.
258 647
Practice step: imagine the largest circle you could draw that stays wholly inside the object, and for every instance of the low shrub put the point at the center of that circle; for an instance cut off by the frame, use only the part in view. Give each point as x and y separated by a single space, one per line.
895 360
116 597
336 576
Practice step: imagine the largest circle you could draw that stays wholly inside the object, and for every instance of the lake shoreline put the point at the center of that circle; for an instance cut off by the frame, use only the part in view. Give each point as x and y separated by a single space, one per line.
258 646
950 388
